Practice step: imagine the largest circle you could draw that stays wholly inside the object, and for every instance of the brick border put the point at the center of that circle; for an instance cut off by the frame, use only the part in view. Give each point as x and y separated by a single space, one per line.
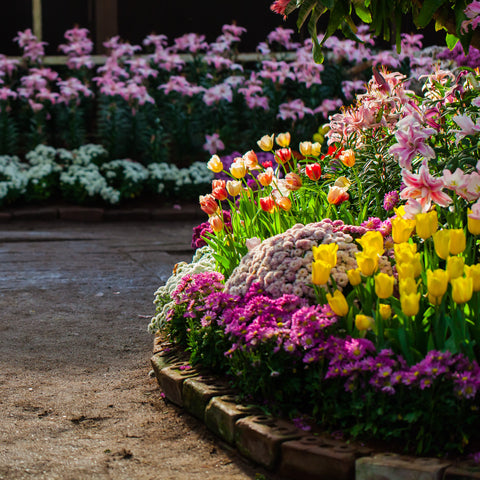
72 213
278 445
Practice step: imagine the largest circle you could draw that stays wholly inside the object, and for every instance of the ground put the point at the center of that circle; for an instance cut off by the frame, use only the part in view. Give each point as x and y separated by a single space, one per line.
76 397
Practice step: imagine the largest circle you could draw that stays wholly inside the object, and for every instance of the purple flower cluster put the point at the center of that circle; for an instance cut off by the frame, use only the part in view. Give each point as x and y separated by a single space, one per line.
472 59
204 228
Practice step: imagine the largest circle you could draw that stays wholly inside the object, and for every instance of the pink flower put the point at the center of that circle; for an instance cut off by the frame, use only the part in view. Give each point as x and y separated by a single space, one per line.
467 127
410 143
295 109
213 143
219 92
279 6
456 181
424 188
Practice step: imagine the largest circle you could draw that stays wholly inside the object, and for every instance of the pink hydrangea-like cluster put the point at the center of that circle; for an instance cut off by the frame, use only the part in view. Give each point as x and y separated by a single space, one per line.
283 264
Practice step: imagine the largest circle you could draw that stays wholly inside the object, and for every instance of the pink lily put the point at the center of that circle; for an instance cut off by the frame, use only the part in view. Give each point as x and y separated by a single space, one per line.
467 127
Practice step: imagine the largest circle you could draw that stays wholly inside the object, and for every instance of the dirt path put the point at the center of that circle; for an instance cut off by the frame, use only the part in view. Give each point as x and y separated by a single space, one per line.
76 400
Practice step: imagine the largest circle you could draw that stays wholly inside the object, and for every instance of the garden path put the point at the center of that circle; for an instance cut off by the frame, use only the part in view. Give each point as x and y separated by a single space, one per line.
76 400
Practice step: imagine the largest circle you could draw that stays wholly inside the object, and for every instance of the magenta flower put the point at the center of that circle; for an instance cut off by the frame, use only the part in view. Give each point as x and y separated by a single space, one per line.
424 187
213 143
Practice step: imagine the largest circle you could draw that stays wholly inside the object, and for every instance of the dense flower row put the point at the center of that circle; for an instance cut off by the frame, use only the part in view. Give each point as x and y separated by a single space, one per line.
82 176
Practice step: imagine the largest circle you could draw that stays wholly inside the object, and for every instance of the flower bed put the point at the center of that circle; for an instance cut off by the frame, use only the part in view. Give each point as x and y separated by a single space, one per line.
342 287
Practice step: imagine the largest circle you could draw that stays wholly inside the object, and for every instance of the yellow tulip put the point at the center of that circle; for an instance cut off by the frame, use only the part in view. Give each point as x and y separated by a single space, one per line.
215 164
354 277
462 289
441 242
283 139
426 224
458 241
266 143
320 272
316 149
437 282
404 251
384 285
326 253
385 311
367 264
434 300
410 303
473 272
473 223
402 229
338 303
238 168
364 322
405 270
407 286
372 243
234 187
305 148
455 267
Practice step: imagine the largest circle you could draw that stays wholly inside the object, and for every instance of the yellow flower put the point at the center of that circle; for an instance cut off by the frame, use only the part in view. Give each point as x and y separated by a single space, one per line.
441 242
426 224
283 139
384 285
326 252
372 243
354 277
367 264
402 229
404 251
338 303
238 168
320 272
405 270
462 289
473 223
342 182
363 322
316 149
437 282
215 164
458 241
305 148
434 300
266 143
473 272
407 286
410 303
385 311
234 187
455 267
347 157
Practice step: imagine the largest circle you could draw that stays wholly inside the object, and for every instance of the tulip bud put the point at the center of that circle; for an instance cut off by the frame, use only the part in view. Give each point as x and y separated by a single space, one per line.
441 242
326 252
410 304
234 187
458 241
284 203
407 285
367 264
305 148
220 193
473 272
283 155
208 204
265 178
216 223
337 195
250 160
347 157
320 272
267 204
402 229
313 171
266 143
215 164
338 303
364 322
426 224
384 285
372 243
455 267
385 311
293 181
473 223
316 149
462 289
238 168
283 139
354 277
437 282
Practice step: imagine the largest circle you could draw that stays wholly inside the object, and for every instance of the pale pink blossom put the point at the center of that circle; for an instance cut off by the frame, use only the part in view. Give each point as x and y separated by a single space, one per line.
424 187
295 109
213 143
327 106
467 127
217 93
456 181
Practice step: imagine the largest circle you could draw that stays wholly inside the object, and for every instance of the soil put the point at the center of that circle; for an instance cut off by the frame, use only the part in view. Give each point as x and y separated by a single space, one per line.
76 397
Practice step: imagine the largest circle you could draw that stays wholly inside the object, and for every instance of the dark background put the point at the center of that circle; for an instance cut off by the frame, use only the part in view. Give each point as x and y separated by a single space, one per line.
137 18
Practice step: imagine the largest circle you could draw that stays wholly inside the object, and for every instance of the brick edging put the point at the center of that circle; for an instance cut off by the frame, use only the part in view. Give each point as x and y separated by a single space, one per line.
92 214
278 445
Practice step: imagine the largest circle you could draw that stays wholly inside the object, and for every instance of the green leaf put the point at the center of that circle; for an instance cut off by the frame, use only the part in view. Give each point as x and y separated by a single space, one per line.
425 15
304 12
451 40
363 12
293 5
